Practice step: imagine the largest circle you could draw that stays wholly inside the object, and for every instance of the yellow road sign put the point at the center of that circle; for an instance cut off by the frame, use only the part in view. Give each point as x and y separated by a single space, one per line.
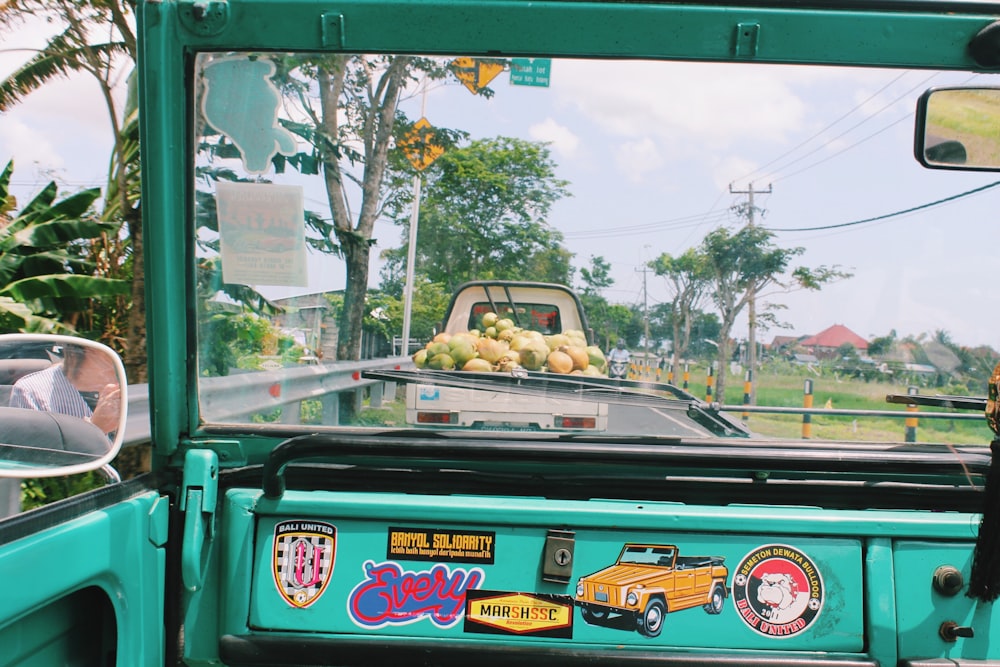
419 147
475 74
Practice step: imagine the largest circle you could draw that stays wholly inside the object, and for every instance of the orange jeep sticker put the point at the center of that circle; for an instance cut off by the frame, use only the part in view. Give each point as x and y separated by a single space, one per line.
538 614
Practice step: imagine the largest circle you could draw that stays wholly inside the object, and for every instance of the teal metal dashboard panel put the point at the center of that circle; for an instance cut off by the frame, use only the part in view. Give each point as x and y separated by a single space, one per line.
359 571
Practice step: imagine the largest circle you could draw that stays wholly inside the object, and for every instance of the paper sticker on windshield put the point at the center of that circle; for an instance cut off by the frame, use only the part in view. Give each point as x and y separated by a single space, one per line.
535 614
451 546
262 234
303 560
777 590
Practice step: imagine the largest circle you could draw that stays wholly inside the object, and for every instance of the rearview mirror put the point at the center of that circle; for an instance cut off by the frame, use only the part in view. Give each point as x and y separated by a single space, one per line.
958 128
63 403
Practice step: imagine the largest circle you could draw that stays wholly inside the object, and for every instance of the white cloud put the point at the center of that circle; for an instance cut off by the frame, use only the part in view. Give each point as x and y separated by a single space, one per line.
637 158
564 142
29 145
683 101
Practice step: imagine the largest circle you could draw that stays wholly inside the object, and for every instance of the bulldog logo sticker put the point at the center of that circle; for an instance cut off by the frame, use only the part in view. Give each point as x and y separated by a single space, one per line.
303 560
777 590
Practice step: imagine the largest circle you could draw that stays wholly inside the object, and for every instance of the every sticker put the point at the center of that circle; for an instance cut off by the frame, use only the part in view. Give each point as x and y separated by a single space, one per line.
777 590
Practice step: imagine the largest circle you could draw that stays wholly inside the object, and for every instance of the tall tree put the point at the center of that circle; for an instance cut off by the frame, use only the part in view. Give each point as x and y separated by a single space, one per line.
350 104
597 277
687 277
484 213
742 265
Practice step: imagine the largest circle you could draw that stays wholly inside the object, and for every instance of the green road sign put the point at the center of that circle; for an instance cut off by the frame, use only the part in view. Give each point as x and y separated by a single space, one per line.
530 71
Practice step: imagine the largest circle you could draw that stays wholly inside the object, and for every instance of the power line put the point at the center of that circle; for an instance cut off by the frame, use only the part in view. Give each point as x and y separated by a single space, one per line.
829 141
662 225
887 215
825 129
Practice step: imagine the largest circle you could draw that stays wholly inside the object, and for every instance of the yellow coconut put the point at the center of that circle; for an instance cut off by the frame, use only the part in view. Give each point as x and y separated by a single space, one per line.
559 362
477 366
491 350
579 356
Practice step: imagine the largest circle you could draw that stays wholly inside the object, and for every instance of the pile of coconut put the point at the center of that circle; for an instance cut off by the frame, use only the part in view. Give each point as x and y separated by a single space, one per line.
503 346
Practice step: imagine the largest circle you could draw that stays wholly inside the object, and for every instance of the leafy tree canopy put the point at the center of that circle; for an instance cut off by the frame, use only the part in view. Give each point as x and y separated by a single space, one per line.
483 216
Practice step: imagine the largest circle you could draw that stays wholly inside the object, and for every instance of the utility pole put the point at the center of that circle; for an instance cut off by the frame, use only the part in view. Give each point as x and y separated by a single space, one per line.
752 303
645 311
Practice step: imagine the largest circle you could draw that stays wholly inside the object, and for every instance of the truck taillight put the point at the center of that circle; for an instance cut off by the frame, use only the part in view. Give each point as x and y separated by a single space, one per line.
577 422
437 418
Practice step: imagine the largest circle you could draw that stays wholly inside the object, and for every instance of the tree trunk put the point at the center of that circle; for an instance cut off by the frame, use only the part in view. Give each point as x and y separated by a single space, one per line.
135 351
356 256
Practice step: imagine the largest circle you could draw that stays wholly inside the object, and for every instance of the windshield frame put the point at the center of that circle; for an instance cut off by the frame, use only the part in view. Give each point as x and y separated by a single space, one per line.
919 35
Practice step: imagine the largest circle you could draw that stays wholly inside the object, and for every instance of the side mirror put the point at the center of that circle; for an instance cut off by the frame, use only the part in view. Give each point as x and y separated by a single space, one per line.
63 403
958 128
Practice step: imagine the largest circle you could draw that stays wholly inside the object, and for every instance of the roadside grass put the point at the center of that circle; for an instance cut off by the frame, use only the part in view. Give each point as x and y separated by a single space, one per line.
845 394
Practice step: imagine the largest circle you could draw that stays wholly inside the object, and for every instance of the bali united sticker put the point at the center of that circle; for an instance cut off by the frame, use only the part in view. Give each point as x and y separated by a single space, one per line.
777 590
303 560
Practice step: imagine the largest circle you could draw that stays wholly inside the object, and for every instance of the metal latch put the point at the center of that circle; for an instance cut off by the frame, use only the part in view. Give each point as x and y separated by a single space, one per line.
199 492
557 559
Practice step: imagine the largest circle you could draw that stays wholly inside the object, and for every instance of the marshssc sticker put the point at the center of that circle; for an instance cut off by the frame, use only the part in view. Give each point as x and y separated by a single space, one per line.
303 560
537 614
777 590
452 546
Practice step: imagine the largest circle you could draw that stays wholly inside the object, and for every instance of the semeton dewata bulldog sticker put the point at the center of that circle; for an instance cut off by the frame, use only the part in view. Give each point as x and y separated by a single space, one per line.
777 590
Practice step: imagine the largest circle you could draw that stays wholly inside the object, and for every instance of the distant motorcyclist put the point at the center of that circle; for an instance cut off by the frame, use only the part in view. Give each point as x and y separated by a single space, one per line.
618 360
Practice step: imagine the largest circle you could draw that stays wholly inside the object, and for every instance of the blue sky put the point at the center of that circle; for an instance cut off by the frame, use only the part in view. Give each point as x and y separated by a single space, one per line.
651 152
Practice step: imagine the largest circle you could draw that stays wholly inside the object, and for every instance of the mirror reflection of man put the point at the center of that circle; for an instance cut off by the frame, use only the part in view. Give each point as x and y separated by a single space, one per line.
61 388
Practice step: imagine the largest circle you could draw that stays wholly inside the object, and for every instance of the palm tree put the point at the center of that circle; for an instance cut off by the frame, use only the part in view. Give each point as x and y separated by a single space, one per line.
46 273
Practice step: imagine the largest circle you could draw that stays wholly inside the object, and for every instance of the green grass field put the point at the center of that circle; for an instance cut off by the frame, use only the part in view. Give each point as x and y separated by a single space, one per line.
787 391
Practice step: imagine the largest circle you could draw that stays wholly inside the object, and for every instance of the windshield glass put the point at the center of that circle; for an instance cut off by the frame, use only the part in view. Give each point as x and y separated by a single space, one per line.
623 248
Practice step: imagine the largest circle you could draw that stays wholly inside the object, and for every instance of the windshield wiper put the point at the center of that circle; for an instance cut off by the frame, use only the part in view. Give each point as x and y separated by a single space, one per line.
580 387
939 401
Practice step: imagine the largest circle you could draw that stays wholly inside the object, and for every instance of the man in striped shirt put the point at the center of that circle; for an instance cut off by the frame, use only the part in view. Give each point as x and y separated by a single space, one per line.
60 388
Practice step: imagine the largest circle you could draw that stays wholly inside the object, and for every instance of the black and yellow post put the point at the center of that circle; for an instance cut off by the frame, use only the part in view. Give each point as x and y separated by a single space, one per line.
807 402
709 381
687 376
747 387
911 422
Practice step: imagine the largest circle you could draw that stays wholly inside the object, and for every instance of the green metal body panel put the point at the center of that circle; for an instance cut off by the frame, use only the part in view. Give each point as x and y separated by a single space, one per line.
870 565
89 589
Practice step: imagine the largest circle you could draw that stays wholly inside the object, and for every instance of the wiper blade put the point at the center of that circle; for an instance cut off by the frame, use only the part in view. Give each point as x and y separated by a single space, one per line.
579 387
939 401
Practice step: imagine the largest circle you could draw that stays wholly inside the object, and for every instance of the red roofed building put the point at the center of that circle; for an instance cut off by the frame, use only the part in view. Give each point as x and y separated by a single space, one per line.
828 340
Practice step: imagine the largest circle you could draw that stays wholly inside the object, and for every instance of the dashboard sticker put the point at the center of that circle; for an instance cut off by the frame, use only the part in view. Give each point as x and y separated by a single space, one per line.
441 545
390 595
777 590
303 560
508 613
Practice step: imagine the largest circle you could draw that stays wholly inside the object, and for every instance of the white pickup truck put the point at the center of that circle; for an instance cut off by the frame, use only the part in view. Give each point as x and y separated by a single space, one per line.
468 400
520 399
